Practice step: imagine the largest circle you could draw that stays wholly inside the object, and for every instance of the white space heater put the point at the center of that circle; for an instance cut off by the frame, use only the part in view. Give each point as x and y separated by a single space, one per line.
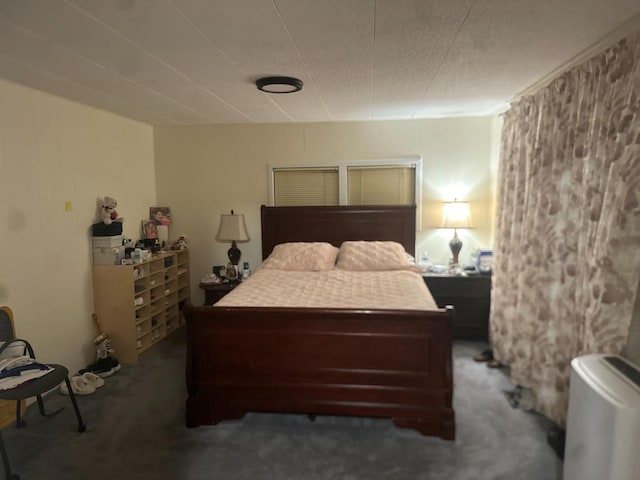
603 424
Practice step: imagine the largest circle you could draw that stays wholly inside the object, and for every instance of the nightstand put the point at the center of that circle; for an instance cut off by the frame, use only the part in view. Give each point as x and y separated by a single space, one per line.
471 298
215 291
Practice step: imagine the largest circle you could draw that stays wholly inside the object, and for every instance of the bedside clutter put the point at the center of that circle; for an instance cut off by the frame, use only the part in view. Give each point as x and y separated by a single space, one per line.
481 263
454 270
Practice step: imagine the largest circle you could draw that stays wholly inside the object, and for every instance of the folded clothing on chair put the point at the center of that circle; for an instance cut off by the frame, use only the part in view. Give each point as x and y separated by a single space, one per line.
17 370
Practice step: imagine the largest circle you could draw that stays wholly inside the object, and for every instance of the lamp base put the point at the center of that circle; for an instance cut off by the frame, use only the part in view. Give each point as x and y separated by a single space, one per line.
455 245
234 253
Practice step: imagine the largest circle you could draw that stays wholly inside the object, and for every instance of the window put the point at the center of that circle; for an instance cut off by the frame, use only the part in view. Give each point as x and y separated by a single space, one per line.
368 182
381 185
305 186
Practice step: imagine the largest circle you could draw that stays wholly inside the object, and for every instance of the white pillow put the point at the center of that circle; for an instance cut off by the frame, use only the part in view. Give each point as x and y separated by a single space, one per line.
372 256
302 256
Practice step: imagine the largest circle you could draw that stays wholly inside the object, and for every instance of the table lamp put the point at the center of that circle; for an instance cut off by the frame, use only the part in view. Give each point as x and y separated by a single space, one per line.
456 215
232 229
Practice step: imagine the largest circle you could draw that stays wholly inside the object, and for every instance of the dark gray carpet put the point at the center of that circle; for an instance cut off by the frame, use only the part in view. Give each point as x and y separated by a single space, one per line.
135 429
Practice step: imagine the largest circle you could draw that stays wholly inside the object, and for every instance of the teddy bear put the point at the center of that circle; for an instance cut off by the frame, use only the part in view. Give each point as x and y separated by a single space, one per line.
108 213
180 244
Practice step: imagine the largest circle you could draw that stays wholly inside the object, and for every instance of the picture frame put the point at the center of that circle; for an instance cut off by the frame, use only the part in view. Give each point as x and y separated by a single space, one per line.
161 215
219 270
149 230
232 272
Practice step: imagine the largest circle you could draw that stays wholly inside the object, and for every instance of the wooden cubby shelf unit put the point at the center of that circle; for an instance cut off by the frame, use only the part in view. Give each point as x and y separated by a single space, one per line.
139 305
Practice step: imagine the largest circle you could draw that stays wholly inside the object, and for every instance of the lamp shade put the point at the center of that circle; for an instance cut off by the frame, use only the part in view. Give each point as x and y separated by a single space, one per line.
232 228
456 215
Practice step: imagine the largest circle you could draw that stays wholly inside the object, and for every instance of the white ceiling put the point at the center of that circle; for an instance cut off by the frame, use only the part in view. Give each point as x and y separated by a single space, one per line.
196 61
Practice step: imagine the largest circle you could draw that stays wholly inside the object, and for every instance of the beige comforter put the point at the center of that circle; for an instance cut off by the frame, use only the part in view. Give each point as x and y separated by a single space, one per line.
396 289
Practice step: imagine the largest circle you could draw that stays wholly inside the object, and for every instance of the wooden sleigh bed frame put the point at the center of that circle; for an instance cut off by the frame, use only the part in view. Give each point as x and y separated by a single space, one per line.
395 364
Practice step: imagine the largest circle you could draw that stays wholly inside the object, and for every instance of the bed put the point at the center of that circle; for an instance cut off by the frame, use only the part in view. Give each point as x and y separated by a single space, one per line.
374 362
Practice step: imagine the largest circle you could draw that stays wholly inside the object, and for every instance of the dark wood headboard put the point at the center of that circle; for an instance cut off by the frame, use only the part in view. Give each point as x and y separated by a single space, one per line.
337 224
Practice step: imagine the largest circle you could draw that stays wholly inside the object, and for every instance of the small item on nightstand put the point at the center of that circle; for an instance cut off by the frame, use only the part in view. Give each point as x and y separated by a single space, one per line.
425 266
471 270
220 271
438 269
212 278
485 261
232 272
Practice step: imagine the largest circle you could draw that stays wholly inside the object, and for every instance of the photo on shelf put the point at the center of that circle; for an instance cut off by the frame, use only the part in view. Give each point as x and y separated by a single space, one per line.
160 215
149 230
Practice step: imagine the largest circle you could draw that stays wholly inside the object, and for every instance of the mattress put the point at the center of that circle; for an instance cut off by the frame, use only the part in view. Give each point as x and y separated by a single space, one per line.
396 290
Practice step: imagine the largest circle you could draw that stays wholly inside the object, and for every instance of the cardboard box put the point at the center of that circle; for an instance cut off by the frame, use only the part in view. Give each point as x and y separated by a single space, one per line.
107 242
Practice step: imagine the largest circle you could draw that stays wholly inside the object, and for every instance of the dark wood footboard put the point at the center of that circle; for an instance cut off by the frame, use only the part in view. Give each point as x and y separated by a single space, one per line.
377 363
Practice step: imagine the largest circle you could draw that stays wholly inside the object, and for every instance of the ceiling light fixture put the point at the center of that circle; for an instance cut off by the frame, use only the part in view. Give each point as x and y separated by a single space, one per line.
279 84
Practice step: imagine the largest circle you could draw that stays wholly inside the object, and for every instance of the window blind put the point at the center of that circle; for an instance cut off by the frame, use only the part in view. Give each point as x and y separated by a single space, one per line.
381 185
305 186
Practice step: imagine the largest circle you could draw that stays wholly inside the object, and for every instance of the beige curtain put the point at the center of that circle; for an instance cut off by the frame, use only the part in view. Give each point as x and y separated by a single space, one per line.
567 250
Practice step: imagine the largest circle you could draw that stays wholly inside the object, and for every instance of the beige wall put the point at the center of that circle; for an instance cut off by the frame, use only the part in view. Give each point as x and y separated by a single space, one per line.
53 151
203 171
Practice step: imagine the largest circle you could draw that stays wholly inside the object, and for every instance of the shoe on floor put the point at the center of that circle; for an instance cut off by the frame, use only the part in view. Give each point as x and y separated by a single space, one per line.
110 365
485 356
79 386
494 364
92 379
103 367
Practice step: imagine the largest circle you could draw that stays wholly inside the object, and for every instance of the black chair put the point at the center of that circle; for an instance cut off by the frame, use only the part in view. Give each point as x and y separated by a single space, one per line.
33 388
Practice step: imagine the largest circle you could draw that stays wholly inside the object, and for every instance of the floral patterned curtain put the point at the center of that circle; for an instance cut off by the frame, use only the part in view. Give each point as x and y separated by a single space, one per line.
567 249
